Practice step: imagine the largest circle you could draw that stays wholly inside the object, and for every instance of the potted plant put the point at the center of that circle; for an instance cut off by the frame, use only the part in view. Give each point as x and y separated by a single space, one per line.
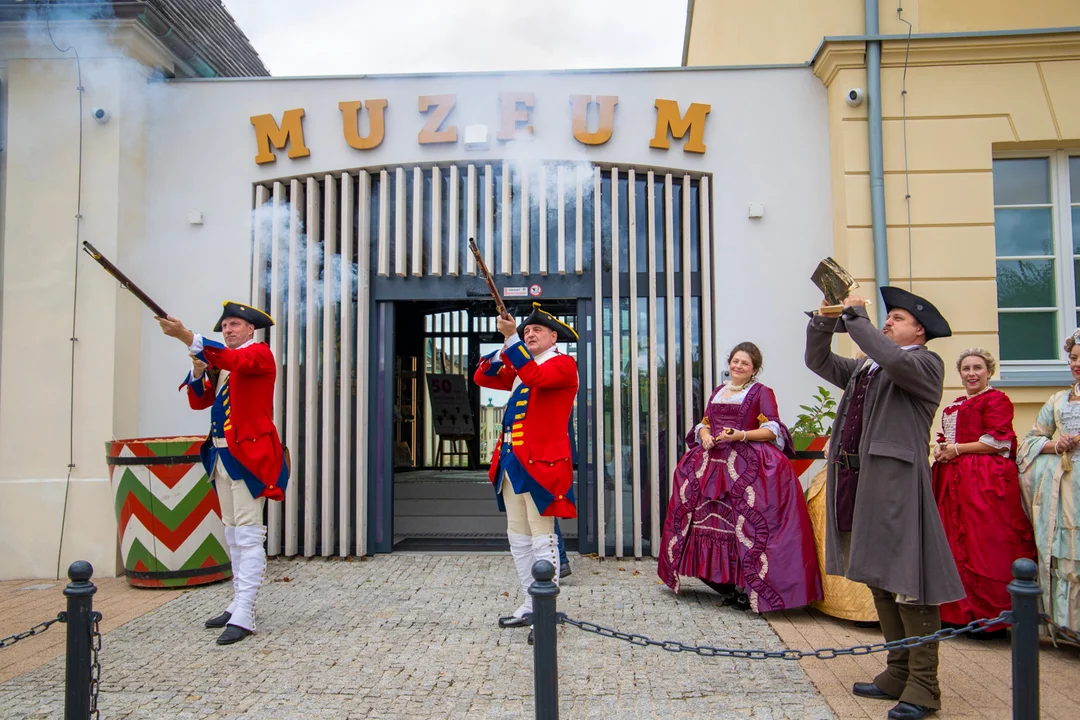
812 427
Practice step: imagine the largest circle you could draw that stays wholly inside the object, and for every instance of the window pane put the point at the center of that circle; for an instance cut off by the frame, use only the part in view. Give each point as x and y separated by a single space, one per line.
1025 283
1074 182
1024 232
1028 336
1076 278
1024 181
1076 231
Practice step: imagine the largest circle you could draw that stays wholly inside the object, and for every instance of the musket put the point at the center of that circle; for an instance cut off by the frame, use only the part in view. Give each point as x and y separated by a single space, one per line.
499 305
123 280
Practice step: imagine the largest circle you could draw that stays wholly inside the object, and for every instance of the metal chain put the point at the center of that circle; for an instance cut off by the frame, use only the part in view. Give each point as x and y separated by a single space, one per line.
1066 632
821 654
95 667
36 630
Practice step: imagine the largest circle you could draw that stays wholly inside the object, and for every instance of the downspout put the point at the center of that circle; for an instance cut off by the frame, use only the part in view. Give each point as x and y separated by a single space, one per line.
877 155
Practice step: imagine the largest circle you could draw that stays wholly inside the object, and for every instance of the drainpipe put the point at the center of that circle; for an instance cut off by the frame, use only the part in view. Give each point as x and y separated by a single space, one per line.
877 153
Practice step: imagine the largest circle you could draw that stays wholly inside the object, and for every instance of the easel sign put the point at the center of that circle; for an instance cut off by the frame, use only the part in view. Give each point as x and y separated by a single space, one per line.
451 412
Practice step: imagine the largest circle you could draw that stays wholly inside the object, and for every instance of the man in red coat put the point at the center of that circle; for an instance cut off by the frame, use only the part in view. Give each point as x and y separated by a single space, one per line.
531 468
242 453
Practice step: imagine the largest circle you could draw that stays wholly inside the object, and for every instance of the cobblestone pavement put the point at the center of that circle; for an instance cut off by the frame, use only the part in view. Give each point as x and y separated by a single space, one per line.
414 636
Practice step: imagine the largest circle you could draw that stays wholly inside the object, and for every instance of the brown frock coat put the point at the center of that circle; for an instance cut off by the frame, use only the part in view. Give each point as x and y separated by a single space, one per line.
897 542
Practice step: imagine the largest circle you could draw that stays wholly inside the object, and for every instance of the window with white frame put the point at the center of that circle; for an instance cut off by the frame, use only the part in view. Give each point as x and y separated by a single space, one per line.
1037 238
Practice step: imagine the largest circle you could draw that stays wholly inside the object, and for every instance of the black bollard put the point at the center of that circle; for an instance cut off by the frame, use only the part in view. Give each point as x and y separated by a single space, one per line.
80 606
1025 592
545 659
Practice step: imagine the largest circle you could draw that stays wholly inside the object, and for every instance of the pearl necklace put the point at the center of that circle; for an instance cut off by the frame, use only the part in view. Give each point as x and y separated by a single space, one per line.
748 383
985 389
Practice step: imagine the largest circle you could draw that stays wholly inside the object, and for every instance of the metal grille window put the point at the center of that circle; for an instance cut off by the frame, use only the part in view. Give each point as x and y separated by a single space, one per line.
1037 239
633 246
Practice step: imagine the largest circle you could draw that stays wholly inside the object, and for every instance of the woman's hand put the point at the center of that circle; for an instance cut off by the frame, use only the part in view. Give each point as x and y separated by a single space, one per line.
949 452
734 434
1066 443
706 439
939 452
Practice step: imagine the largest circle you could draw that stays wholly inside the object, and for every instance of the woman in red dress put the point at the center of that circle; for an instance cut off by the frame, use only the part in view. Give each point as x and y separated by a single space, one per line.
977 489
737 519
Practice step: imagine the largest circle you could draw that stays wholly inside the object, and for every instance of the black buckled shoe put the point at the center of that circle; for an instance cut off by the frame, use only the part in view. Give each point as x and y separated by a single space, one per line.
220 621
870 690
739 601
512 621
232 634
564 570
909 711
530 639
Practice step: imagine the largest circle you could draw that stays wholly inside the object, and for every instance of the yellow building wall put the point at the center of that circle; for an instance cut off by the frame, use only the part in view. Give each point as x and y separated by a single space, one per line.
753 32
965 99
957 116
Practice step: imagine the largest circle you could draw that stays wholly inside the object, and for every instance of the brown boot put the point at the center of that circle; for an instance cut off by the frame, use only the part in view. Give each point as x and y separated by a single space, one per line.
922 687
894 678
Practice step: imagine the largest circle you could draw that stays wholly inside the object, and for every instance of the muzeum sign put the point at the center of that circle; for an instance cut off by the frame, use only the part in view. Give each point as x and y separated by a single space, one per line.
515 121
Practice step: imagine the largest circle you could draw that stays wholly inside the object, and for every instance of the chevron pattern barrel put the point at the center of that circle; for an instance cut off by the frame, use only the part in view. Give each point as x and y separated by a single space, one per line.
167 513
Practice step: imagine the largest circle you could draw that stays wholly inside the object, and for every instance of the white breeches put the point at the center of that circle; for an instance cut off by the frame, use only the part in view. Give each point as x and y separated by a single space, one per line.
522 517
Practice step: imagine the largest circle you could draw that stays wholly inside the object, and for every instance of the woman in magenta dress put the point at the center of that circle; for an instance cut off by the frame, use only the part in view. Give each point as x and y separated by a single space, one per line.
977 488
737 518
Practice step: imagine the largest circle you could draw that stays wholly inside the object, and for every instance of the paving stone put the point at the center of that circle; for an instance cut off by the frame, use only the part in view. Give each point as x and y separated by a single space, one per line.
414 636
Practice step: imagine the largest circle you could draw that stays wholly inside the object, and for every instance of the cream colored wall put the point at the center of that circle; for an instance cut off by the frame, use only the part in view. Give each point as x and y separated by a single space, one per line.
752 32
957 115
39 258
942 16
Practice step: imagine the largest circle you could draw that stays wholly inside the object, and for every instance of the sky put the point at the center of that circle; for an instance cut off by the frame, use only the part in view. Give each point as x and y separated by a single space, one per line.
356 37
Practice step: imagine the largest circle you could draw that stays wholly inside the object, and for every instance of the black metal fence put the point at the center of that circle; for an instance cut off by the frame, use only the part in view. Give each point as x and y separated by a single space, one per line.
83 671
1024 618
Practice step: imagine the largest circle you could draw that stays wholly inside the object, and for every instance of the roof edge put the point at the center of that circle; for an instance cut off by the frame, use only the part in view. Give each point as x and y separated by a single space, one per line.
686 32
1071 29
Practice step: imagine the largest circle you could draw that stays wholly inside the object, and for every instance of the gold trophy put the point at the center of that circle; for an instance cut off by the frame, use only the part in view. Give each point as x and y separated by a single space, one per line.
835 284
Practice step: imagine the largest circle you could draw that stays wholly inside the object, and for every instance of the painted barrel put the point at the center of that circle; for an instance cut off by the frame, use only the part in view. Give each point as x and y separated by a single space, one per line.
167 514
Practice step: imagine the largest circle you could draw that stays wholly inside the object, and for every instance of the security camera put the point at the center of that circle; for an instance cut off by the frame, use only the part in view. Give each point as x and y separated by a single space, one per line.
855 97
100 114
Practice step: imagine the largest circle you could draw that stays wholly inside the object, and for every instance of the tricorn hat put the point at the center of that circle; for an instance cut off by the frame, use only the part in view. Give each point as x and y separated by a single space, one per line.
245 312
933 322
543 317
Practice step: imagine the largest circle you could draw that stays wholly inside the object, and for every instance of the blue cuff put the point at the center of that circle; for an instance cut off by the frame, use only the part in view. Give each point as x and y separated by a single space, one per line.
195 385
494 364
518 355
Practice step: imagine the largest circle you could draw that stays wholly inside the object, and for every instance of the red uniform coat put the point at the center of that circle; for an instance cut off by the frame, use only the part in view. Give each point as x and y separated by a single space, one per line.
537 416
250 431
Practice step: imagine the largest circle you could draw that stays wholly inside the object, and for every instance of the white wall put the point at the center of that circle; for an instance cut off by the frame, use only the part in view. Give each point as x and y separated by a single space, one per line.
56 408
189 146
766 139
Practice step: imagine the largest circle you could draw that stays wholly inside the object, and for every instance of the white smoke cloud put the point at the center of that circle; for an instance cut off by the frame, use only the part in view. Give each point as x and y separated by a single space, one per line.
268 218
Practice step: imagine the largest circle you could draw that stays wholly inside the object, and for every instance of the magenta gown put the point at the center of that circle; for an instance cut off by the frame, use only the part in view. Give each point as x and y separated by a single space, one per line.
738 516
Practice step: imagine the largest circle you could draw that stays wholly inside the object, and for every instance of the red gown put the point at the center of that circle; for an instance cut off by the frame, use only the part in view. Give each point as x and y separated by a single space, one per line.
978 498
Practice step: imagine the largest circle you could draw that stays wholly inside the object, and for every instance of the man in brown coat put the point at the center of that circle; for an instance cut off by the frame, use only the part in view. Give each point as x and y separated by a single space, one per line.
882 524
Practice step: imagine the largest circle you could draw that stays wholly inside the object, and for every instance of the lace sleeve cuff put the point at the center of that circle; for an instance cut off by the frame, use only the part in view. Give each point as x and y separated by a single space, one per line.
1002 446
774 426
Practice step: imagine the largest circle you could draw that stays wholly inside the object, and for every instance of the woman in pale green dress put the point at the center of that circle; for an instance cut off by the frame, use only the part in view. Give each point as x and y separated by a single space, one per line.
1051 493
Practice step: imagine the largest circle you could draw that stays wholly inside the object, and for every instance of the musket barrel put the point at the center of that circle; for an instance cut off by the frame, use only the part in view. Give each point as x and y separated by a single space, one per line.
499 304
123 280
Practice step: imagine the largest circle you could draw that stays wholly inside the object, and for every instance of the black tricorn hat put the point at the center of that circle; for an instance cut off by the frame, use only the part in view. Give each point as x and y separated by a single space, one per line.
245 312
543 317
933 322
